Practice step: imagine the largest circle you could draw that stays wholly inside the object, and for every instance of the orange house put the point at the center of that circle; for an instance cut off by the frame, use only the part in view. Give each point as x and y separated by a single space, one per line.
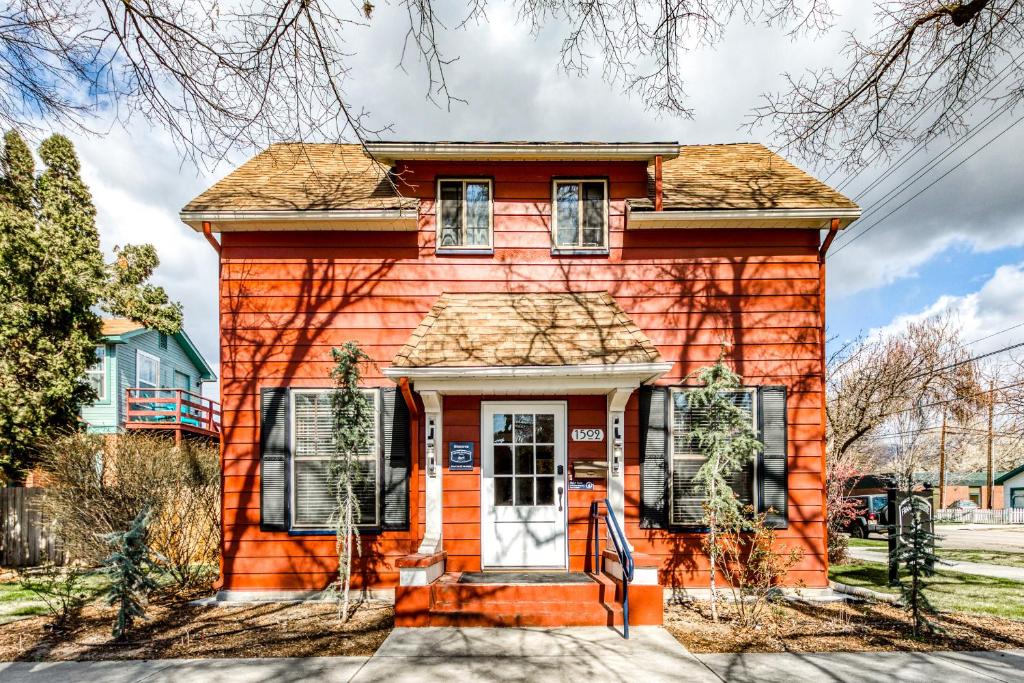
534 313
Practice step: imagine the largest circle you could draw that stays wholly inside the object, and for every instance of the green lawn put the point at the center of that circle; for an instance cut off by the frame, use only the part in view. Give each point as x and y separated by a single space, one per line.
948 591
1004 558
17 601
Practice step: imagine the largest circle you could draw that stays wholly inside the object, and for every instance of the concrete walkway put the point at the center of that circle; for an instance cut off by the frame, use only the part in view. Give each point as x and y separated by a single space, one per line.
579 655
996 571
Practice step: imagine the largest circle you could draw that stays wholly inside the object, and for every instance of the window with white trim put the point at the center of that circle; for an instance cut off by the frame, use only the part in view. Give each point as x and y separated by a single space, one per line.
312 497
147 370
96 374
464 214
686 500
580 214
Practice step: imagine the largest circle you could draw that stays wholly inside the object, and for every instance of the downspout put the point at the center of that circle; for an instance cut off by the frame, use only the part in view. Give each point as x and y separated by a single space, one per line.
208 234
822 252
657 184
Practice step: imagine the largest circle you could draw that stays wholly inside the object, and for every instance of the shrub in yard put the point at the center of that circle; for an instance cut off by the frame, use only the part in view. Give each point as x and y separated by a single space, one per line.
97 486
128 568
753 564
61 589
917 553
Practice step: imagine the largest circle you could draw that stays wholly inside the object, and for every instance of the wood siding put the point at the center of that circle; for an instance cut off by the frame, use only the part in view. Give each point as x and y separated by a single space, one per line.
288 298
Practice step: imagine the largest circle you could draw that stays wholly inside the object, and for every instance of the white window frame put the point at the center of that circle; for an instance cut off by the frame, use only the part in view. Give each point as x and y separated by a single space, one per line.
139 356
754 408
438 217
101 352
570 248
374 394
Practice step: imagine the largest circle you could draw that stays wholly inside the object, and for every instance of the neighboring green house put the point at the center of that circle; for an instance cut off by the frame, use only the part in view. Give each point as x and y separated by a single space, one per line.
149 364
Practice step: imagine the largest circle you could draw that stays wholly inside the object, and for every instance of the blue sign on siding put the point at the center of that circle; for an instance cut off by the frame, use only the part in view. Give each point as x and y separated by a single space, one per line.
578 485
460 456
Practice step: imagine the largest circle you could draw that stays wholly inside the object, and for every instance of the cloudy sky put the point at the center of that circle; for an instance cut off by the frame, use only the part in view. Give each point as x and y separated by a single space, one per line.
959 246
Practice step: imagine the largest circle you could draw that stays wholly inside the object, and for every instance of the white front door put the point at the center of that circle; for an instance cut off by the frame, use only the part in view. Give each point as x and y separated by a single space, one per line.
523 496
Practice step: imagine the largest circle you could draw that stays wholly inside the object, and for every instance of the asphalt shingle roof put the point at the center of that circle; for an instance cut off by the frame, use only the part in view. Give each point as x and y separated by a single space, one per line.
487 330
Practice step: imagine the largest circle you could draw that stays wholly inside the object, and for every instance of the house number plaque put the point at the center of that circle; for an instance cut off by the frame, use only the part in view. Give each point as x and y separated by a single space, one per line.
588 434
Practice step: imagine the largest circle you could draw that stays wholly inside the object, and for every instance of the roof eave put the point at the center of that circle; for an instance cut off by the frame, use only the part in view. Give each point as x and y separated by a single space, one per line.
391 152
327 219
816 218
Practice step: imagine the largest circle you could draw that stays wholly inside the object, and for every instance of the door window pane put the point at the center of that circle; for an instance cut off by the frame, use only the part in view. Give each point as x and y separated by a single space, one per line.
524 490
503 491
503 460
545 459
502 428
524 428
545 428
545 490
524 459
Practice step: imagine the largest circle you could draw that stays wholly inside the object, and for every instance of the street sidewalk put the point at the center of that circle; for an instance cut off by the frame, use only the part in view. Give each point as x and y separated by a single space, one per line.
996 571
574 655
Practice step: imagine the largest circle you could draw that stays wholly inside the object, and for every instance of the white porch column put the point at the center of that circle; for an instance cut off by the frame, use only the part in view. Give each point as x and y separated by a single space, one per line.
617 399
432 449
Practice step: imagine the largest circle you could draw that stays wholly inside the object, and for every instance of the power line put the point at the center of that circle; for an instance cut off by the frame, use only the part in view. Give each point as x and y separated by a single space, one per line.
957 364
924 189
994 334
921 145
955 400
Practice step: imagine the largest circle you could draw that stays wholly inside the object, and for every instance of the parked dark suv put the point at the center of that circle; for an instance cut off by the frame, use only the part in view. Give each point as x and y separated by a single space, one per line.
871 515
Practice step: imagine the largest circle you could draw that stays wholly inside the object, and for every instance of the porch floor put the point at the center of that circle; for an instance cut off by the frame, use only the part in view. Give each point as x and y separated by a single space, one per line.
525 577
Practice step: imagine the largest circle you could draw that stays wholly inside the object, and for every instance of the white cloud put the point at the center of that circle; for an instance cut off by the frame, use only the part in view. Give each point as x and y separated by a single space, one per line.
995 307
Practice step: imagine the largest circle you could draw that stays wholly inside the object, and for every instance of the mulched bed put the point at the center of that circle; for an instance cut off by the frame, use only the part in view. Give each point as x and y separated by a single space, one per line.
837 627
177 629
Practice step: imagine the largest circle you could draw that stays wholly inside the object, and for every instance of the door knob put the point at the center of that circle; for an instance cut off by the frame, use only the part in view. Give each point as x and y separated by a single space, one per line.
560 491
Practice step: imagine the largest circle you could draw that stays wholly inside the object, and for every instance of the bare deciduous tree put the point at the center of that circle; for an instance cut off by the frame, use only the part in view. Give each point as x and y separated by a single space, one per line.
225 74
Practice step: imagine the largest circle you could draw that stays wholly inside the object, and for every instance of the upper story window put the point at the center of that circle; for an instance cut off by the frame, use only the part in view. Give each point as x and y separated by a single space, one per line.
147 370
96 374
464 216
580 215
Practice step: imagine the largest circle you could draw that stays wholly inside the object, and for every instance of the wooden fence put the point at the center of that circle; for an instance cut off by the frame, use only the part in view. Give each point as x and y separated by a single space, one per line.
26 538
979 516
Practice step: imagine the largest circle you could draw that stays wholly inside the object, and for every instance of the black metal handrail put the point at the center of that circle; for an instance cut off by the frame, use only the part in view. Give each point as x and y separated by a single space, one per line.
621 550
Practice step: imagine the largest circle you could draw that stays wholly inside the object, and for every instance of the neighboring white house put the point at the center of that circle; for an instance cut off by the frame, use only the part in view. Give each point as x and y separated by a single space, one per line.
1013 487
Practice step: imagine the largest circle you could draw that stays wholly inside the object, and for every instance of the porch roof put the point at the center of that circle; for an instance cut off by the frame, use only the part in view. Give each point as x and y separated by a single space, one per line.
526 330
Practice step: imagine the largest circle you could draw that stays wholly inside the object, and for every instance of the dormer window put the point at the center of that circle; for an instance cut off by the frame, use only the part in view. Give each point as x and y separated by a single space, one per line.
464 216
580 216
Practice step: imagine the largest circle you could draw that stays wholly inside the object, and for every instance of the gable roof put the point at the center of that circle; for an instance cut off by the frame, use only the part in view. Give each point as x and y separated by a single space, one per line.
519 330
337 179
304 177
737 176
1007 476
120 330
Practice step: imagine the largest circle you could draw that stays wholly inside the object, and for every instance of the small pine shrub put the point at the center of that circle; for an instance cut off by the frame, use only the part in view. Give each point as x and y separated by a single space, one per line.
128 568
917 553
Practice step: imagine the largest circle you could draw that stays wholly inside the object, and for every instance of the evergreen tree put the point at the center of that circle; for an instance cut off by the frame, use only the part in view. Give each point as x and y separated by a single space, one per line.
727 439
917 553
128 568
54 280
353 429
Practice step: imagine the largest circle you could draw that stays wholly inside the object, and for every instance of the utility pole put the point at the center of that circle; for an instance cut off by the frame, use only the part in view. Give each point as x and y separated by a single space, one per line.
988 475
942 462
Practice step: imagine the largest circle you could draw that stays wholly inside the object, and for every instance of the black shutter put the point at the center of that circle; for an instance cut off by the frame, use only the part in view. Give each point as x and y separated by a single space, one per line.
274 420
773 493
654 457
397 449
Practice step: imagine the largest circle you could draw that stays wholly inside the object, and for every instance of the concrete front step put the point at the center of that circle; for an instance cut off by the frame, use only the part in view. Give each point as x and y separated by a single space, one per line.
447 602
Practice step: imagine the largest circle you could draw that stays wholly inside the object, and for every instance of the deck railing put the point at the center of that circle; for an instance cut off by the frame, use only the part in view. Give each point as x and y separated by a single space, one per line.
621 550
170 408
